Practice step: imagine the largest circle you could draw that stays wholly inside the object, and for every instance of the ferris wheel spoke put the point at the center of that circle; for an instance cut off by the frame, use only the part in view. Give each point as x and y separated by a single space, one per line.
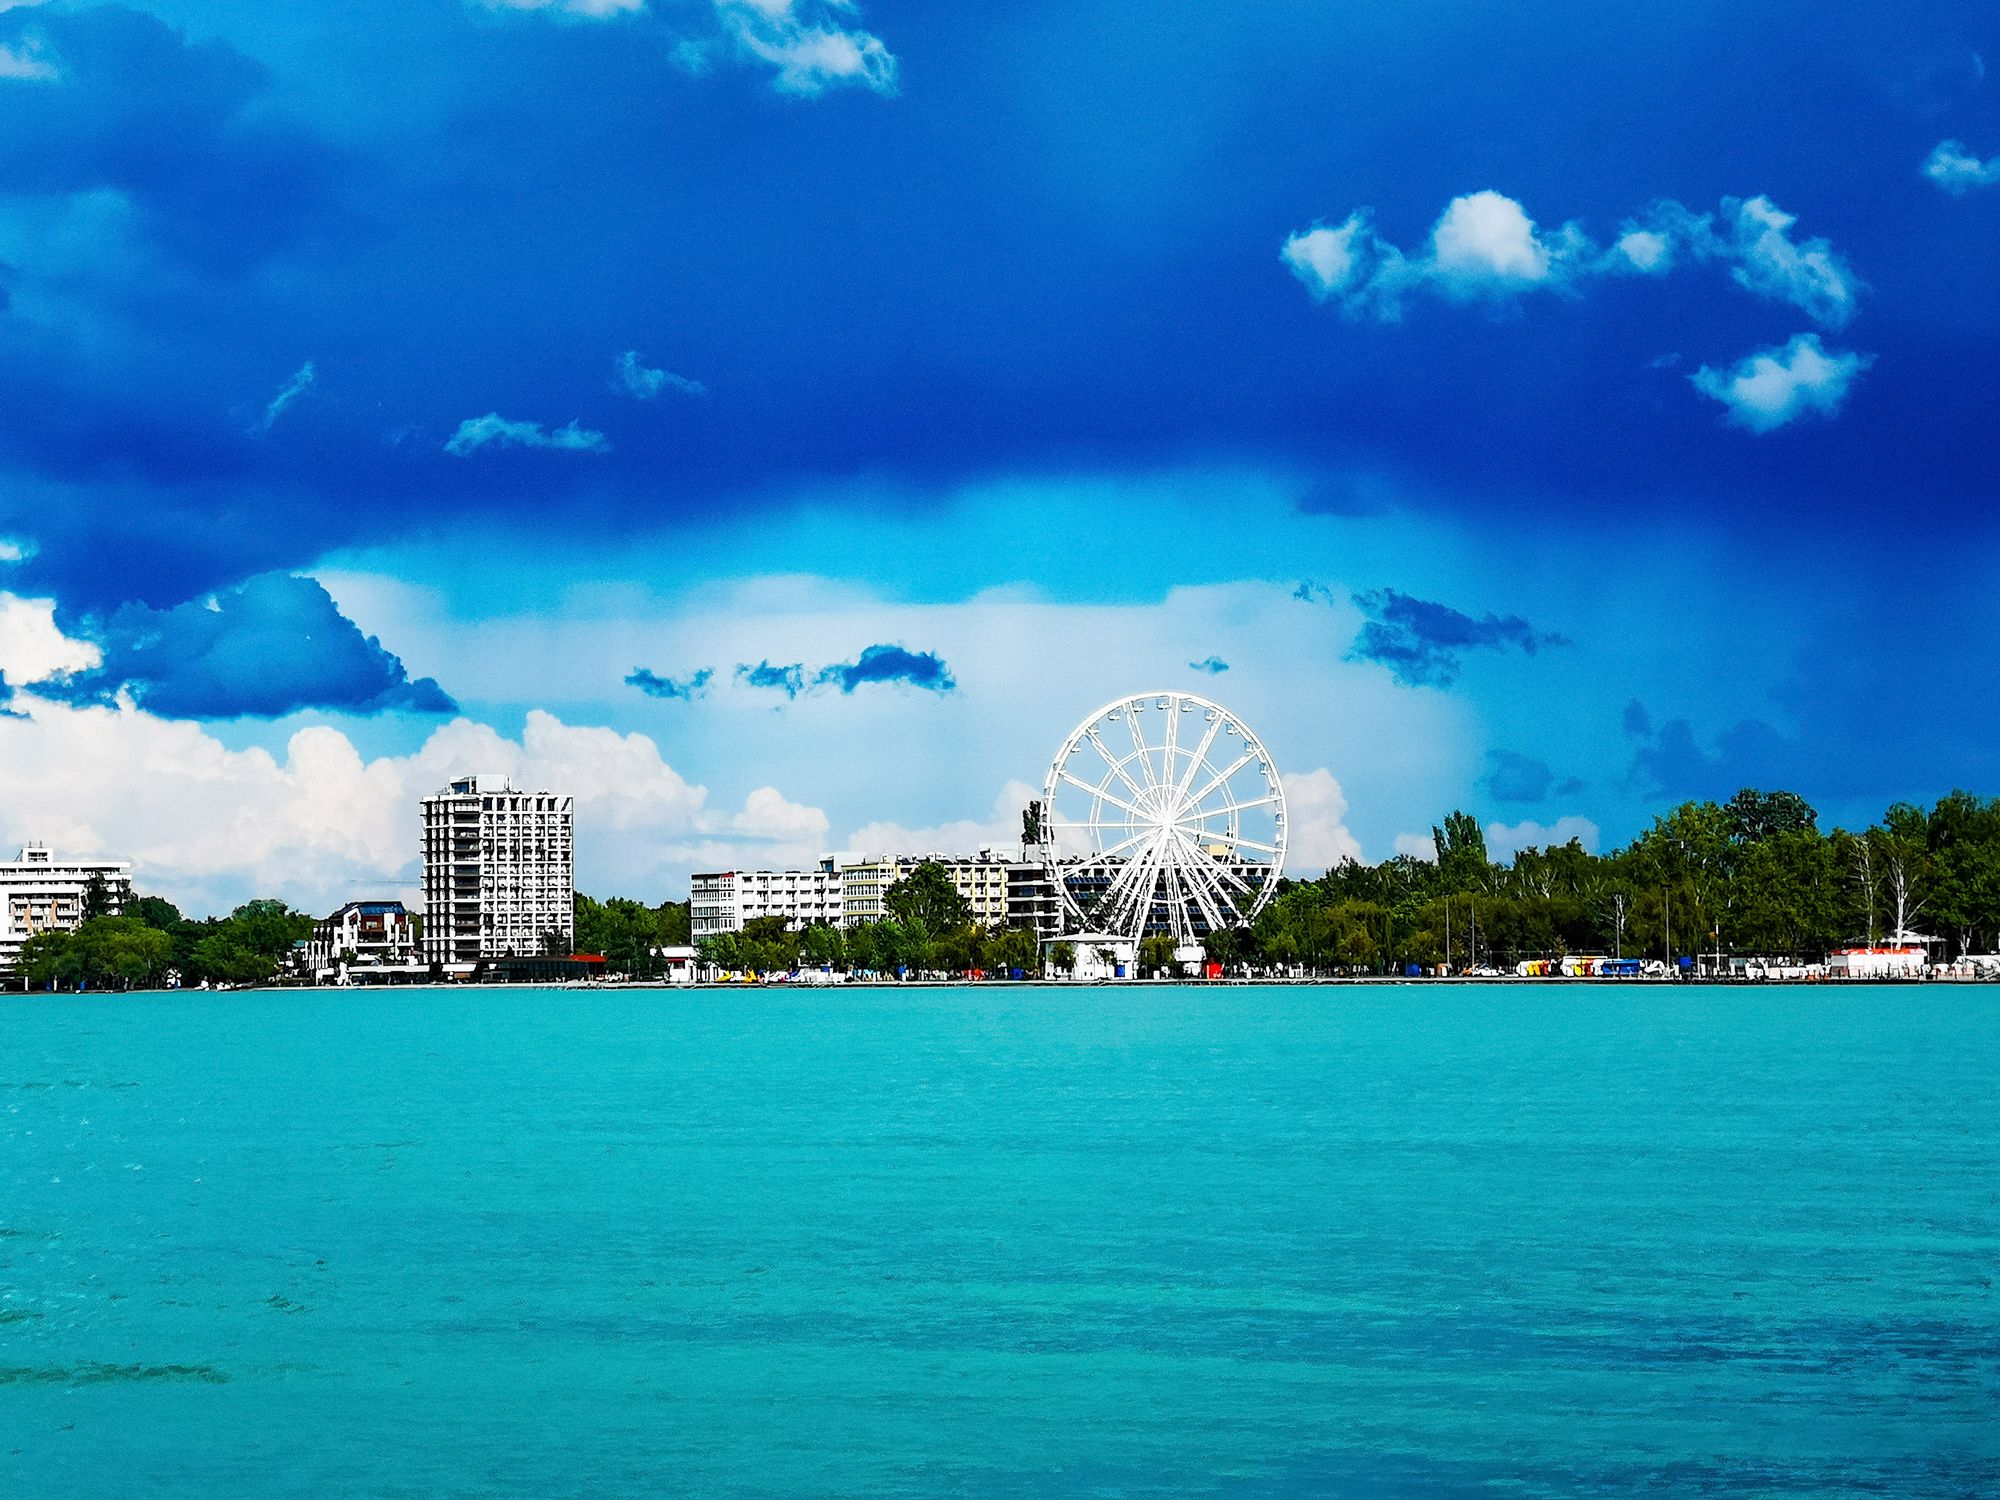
1115 763
1123 844
1140 748
1221 778
1254 844
1188 875
1100 793
1233 806
1200 755
1207 890
1225 875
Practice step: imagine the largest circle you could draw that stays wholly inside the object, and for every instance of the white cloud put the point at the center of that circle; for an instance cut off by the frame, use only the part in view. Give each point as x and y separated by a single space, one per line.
1767 389
1316 817
475 433
635 379
1001 829
209 826
807 42
1417 846
1810 275
1503 842
289 392
12 551
28 62
1957 170
1485 246
32 649
1486 241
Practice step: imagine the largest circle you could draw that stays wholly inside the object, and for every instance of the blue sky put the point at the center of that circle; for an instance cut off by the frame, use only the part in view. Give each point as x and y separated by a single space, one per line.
1543 409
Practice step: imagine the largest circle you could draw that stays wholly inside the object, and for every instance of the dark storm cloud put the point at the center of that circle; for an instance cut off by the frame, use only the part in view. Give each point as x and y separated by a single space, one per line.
685 689
789 680
511 200
1423 642
271 646
919 669
1513 777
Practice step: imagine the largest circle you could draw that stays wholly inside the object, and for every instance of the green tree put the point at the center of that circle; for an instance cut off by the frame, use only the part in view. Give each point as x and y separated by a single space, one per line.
98 897
926 901
1462 864
1755 816
51 959
1013 949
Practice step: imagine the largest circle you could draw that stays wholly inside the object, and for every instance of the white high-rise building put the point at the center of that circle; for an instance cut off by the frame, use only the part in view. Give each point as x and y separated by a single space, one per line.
499 872
40 893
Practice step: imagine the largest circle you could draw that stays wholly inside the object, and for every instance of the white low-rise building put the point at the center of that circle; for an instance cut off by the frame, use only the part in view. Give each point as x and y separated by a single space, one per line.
1902 957
362 935
844 890
40 893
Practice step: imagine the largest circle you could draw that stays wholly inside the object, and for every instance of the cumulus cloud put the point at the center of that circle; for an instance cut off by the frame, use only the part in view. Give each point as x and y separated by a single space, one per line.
33 647
270 646
1503 842
789 680
686 689
1485 247
1765 390
633 378
1213 665
289 392
1422 642
1316 821
1421 846
1000 829
919 669
1958 171
475 433
208 826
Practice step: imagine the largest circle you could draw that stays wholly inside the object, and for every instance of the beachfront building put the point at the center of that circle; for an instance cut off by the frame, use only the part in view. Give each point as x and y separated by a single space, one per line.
499 872
41 893
725 900
1902 956
362 935
844 890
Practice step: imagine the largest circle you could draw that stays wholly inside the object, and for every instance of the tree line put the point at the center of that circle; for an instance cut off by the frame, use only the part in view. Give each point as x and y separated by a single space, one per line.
1753 875
147 940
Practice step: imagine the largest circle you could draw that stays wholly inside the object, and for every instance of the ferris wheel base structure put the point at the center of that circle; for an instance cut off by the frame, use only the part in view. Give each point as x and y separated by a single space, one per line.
1162 815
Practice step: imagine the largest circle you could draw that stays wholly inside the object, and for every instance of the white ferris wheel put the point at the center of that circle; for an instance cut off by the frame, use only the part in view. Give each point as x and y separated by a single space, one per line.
1163 813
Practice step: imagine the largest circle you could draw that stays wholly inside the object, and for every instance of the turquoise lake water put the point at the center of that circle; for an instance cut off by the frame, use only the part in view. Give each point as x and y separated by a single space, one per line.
1357 1241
